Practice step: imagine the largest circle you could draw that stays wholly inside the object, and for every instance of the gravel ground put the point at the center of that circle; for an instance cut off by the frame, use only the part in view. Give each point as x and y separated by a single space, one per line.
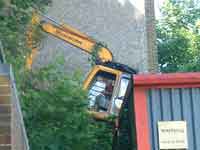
120 25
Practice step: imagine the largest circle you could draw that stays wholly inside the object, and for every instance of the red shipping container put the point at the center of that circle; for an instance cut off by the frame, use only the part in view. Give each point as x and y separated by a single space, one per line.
166 97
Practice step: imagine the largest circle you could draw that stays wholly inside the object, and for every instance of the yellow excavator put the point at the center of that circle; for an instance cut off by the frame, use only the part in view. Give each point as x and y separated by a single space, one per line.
107 82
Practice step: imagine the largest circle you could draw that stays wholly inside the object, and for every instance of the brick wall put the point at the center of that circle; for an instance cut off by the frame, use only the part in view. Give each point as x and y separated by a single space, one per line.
124 25
151 36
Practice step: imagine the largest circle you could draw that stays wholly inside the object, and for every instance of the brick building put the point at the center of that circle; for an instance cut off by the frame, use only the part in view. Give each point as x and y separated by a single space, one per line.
126 26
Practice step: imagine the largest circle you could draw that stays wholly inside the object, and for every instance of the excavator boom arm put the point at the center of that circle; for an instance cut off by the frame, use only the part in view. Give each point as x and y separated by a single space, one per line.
73 37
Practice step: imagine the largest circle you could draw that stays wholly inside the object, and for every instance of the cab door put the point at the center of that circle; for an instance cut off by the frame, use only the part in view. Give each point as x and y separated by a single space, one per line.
120 92
106 90
101 84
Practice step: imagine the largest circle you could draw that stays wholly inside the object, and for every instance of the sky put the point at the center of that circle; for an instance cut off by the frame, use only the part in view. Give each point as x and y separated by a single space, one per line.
140 4
158 5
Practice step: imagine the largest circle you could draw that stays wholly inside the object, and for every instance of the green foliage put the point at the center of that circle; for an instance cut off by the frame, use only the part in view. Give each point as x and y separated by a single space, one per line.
13 33
55 108
1 4
54 105
178 37
37 35
13 28
95 51
24 4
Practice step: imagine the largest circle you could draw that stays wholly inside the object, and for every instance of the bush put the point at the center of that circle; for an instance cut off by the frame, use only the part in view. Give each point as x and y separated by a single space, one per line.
55 113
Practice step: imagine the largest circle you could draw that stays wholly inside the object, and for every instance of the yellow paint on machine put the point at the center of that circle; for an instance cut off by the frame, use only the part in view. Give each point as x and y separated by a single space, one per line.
99 68
66 33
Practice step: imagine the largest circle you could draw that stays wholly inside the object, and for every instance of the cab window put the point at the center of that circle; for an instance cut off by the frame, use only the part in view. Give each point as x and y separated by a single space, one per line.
121 95
100 91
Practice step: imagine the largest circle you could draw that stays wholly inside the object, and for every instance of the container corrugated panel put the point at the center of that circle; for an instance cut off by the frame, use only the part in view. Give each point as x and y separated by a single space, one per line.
166 97
175 105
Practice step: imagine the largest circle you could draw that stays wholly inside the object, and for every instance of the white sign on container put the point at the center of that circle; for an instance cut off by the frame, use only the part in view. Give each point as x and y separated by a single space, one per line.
172 135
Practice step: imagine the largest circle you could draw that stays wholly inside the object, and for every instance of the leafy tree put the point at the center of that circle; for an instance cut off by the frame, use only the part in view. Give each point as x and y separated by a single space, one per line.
178 35
55 112
13 30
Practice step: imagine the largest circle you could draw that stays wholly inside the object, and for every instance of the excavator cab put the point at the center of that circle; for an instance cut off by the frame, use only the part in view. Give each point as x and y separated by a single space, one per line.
106 87
101 91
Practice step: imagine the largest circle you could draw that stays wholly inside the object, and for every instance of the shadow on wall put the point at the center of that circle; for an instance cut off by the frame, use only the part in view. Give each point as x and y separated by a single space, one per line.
118 23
